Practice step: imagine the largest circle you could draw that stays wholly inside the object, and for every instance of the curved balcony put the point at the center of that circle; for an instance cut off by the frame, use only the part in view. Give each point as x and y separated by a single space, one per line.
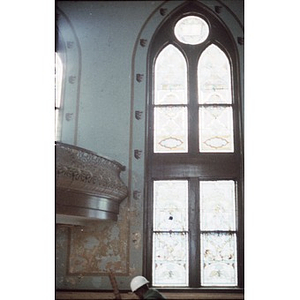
88 186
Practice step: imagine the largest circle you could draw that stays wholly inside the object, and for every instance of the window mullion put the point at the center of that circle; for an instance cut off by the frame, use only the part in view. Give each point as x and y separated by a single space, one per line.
194 249
240 232
193 116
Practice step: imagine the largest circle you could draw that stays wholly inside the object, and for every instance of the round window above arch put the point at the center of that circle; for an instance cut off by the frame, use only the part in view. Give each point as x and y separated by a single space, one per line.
191 30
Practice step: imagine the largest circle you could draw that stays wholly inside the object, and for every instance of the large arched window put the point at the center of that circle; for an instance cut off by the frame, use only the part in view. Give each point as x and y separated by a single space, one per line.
194 157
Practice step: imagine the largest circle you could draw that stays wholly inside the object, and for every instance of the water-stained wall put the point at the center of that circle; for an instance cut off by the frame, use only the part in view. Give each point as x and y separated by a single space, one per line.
104 46
85 253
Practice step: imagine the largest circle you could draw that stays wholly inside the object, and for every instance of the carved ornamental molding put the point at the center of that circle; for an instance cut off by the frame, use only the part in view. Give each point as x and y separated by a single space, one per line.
87 185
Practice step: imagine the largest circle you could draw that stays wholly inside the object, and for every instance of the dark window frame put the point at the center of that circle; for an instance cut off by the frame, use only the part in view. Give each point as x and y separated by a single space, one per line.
194 165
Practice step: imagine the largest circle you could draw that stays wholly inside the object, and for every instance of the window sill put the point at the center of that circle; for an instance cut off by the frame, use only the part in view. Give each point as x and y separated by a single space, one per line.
193 294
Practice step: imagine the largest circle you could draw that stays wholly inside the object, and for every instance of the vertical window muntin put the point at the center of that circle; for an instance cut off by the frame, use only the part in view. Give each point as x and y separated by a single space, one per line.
192 104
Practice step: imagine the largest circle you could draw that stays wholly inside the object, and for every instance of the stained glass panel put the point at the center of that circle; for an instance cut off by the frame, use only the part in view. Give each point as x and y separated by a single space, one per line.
170 205
218 259
215 129
170 129
217 205
170 259
170 77
191 30
214 77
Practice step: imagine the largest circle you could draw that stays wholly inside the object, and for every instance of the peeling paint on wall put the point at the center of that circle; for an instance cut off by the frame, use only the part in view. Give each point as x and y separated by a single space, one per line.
97 248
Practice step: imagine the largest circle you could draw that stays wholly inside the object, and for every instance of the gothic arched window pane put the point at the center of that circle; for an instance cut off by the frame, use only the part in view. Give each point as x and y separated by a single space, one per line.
170 99
215 101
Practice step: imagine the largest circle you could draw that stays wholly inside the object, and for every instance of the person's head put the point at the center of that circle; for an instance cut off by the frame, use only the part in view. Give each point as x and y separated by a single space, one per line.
139 286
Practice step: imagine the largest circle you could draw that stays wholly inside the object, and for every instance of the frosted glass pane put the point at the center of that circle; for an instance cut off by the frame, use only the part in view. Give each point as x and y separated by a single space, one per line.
215 129
214 78
170 77
170 129
170 205
191 30
170 259
218 259
217 205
